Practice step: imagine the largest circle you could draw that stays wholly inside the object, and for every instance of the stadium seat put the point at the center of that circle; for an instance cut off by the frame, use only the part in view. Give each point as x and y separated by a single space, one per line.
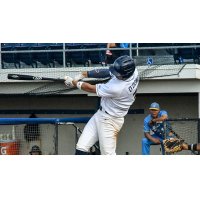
118 53
77 56
44 57
58 56
185 54
150 51
95 57
198 52
27 58
10 57
103 45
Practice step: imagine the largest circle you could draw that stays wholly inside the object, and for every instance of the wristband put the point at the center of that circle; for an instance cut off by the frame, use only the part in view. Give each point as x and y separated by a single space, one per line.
192 147
79 85
195 147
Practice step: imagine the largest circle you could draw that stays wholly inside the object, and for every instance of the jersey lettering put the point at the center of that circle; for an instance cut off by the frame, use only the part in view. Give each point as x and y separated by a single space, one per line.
131 88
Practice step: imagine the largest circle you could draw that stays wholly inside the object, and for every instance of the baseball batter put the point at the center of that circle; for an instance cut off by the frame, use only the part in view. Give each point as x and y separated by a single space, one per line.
117 96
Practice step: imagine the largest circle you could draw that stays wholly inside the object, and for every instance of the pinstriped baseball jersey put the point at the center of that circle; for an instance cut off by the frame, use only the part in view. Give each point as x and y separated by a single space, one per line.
118 95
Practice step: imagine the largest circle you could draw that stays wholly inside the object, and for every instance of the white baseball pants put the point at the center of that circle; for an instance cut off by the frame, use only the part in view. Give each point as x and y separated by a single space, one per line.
101 127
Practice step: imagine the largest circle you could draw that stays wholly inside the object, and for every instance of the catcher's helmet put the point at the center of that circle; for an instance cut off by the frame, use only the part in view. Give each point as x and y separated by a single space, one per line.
123 66
35 148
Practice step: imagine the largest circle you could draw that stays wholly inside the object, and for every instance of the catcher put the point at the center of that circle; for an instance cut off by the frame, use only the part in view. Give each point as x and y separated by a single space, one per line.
174 145
154 129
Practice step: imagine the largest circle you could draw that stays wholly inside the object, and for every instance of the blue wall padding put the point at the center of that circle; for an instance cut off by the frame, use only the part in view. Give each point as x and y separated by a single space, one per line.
10 121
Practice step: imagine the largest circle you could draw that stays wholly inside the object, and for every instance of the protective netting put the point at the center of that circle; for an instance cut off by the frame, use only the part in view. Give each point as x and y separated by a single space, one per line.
149 72
19 139
41 87
52 136
187 130
153 60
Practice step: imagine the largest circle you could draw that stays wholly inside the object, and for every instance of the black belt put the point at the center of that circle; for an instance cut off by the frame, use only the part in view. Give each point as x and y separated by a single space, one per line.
100 108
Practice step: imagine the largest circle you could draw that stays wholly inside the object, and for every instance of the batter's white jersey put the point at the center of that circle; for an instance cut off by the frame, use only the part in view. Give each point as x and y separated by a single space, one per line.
118 95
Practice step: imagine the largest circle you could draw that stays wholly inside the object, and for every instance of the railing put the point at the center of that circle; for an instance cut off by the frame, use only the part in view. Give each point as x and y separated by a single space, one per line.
99 49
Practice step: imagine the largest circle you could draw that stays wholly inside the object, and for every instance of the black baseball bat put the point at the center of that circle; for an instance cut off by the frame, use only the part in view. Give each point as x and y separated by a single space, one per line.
29 77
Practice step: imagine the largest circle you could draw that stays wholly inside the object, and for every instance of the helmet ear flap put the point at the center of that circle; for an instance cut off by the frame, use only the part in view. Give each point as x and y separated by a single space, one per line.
123 66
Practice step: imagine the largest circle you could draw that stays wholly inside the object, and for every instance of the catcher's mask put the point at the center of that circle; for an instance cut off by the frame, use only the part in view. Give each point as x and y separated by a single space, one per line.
123 66
35 148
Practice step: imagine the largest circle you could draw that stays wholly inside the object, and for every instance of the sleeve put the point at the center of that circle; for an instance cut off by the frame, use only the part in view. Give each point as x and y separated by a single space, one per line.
106 90
99 73
146 128
163 112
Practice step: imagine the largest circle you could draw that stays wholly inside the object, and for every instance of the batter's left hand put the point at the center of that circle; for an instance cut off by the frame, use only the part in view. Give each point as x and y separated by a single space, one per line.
79 77
68 81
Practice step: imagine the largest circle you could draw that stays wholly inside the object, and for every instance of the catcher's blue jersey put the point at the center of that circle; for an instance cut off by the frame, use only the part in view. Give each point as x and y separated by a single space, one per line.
156 128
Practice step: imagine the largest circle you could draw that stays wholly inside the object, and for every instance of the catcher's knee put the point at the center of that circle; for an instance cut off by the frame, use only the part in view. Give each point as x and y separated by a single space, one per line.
145 140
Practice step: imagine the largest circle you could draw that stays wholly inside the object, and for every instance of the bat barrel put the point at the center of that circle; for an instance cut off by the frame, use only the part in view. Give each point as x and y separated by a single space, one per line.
29 77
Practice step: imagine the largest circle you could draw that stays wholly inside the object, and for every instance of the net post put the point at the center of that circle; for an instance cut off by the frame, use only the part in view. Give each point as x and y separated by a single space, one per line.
165 132
130 50
64 62
137 52
0 56
56 139
198 133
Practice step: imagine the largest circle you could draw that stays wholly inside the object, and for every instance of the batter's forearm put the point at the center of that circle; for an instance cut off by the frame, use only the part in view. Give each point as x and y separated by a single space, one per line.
99 73
86 86
85 74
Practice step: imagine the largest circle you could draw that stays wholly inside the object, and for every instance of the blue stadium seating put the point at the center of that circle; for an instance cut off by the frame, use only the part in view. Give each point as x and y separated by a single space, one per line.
96 57
77 56
27 58
185 54
58 56
10 57
198 52
150 51
44 57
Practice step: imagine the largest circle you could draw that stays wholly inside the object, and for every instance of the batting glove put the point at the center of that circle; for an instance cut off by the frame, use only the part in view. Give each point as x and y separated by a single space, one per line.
68 81
79 77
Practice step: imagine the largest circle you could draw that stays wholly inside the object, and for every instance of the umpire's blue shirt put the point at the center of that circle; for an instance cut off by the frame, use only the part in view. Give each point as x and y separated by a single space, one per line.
157 128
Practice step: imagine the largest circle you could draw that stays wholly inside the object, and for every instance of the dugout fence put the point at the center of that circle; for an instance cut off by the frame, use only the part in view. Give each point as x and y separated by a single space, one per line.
186 128
54 136
58 136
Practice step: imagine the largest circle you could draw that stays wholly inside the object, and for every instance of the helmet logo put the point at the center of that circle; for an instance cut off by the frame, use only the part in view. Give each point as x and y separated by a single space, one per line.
116 65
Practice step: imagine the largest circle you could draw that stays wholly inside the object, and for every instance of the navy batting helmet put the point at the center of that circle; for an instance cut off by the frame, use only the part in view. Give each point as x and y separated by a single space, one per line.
123 66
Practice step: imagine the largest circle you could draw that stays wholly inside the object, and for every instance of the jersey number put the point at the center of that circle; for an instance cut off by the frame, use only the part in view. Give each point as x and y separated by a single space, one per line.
134 94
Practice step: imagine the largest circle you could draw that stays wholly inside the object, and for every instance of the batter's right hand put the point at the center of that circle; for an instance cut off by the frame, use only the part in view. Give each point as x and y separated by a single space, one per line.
68 81
156 141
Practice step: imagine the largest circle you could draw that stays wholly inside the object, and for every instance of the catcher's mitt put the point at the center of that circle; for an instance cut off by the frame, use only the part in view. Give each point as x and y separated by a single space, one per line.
173 145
